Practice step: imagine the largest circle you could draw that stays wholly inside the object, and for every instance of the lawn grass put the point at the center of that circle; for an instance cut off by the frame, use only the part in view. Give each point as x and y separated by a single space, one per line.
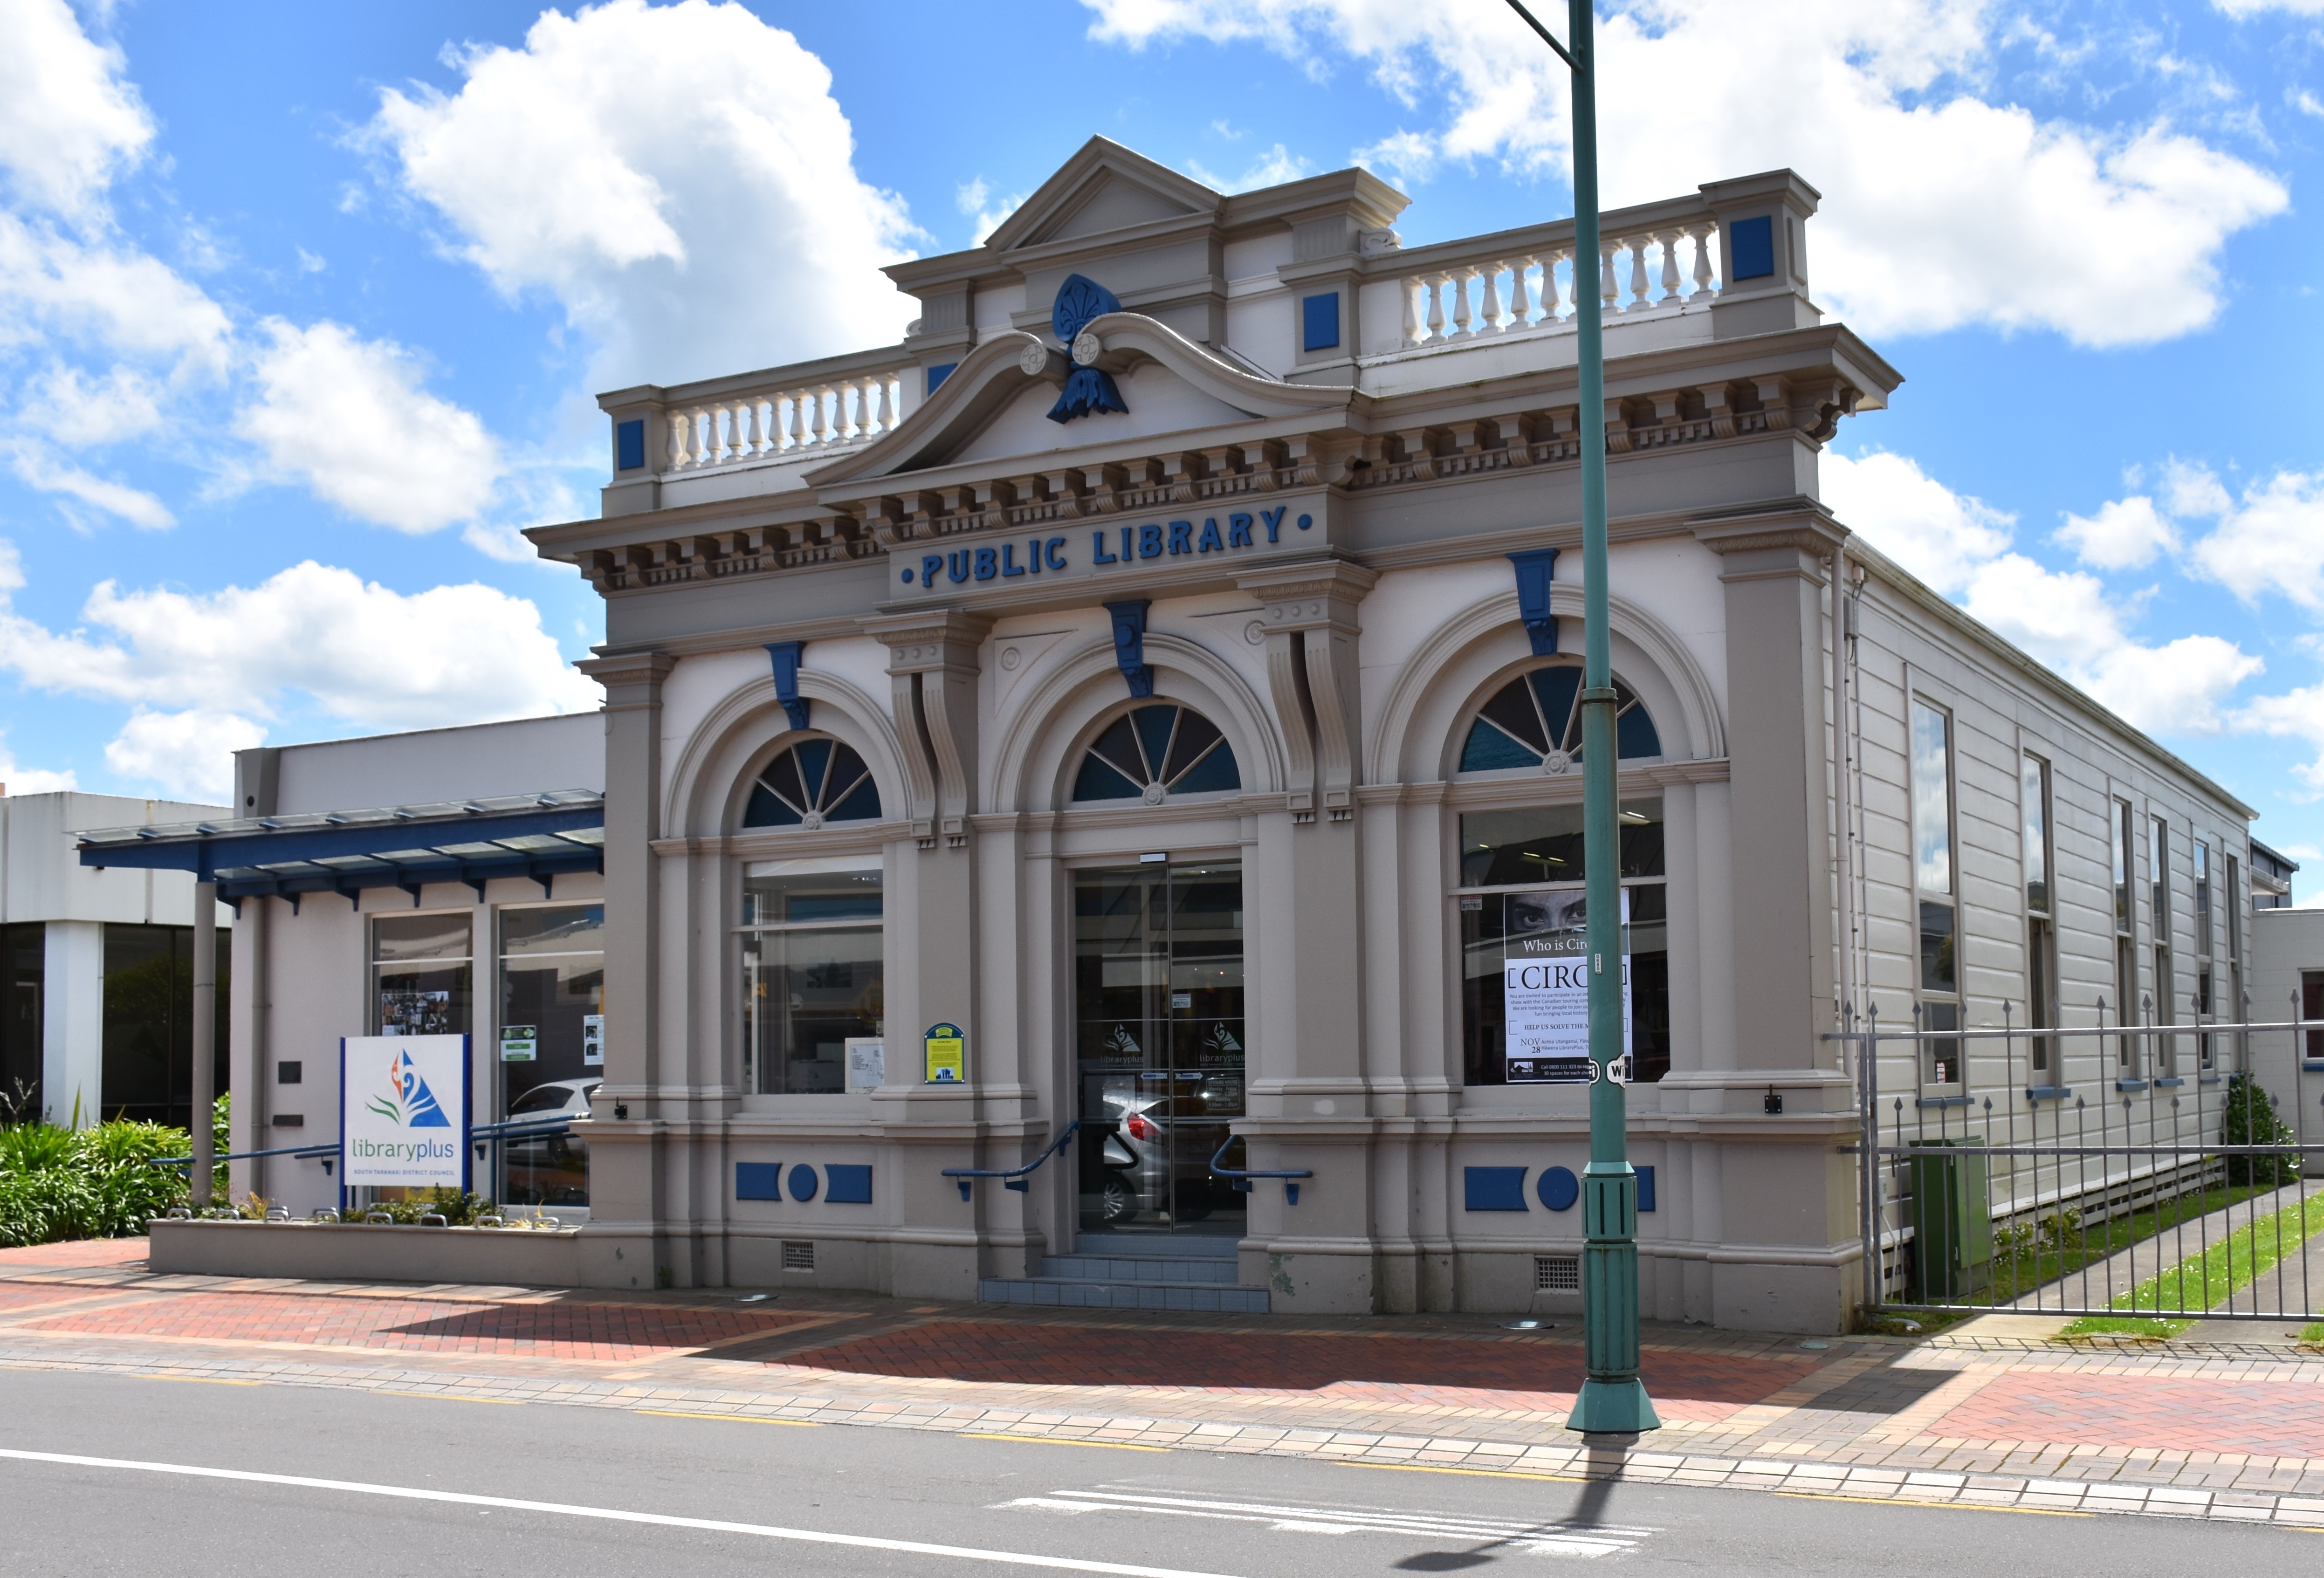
2037 1265
2202 1282
2313 1331
2125 1326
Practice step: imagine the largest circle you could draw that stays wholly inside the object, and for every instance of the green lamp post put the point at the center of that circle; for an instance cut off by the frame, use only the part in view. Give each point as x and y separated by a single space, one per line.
1613 1400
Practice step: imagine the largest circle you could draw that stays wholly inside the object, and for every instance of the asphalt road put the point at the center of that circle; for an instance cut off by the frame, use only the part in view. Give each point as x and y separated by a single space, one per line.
200 1477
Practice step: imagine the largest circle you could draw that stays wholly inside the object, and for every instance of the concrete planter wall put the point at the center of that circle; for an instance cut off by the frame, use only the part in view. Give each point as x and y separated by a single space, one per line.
368 1254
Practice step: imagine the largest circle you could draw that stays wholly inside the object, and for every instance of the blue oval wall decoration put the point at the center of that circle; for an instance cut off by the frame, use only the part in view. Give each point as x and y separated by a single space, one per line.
1558 1187
803 1182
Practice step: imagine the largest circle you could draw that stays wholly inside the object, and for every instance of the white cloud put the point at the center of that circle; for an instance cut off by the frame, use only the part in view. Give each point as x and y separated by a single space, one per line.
1939 208
1961 545
1273 168
975 200
135 505
68 120
1938 535
104 295
2240 8
2272 540
2297 714
2124 535
73 409
31 780
348 416
361 651
191 753
680 179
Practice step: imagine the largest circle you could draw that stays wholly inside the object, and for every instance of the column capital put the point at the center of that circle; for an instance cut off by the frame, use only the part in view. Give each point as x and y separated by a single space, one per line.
937 639
1319 595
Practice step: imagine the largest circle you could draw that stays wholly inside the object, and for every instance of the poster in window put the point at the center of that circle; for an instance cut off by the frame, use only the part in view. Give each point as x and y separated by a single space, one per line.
1546 988
520 1043
593 1040
405 1011
867 1063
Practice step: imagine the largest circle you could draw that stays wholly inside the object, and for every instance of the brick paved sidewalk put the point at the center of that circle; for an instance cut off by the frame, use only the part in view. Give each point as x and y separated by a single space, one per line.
1991 1418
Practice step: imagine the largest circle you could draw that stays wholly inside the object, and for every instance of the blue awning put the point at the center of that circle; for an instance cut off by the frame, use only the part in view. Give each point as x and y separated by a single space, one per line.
536 837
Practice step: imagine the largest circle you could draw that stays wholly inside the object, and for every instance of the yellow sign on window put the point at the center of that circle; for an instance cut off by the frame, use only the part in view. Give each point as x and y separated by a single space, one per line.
947 1050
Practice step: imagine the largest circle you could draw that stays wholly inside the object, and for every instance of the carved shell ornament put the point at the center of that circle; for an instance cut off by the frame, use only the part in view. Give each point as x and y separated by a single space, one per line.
1088 389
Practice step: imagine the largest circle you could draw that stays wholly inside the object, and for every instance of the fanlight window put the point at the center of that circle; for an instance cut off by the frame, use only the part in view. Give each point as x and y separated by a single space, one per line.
1154 752
1536 721
813 782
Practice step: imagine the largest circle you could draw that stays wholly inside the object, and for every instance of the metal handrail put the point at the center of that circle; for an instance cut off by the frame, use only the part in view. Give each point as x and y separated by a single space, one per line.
332 1149
1012 1177
1242 1177
522 1127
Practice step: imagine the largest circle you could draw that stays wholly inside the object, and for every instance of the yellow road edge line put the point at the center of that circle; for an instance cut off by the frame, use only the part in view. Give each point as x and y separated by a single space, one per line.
202 1379
740 1418
1058 1441
1947 1506
432 1396
1430 1468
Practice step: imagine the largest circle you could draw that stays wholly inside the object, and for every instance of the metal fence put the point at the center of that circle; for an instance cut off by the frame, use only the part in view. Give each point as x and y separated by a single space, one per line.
2136 1170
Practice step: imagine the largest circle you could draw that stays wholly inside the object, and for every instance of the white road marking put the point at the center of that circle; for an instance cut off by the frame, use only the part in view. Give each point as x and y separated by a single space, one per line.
1549 1539
610 1514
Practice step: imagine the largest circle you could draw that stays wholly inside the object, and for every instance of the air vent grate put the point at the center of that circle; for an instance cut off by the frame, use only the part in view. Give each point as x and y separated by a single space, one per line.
1557 1273
798 1255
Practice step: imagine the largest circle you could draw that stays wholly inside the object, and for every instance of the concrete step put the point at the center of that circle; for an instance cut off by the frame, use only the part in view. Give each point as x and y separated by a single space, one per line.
1087 1267
1069 1294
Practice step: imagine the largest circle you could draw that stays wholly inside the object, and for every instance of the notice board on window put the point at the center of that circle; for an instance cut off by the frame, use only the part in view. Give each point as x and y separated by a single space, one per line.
404 1110
1546 987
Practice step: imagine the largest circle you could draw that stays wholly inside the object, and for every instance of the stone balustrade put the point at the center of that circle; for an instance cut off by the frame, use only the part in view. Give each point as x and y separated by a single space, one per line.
782 421
1652 259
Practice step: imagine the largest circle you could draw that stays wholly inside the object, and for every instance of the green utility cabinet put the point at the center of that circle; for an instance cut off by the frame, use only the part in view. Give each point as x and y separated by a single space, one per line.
1952 1218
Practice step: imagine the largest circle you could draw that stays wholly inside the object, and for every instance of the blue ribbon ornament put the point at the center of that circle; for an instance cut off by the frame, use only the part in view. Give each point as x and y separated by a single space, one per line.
1087 389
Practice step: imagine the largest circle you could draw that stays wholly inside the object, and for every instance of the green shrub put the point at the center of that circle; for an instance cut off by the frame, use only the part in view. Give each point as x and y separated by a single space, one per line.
58 1183
2251 1119
457 1208
32 1148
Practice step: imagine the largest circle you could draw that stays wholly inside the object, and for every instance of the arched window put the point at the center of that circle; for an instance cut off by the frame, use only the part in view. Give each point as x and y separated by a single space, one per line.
1153 752
813 782
1538 714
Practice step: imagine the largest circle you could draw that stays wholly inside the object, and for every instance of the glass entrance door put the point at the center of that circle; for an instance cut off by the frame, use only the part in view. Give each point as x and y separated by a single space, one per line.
1158 1045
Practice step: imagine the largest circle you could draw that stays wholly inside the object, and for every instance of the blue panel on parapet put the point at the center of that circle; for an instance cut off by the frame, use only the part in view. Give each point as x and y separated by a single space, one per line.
938 374
629 445
1493 1188
847 1186
1319 321
758 1180
1751 248
1558 1189
802 1182
1646 1187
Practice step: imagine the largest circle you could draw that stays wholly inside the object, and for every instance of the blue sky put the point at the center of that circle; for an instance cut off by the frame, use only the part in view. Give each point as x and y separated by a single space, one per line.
302 307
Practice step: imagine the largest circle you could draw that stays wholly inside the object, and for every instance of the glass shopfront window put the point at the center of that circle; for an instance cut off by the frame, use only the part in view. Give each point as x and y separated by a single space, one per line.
550 1045
1524 994
813 971
422 974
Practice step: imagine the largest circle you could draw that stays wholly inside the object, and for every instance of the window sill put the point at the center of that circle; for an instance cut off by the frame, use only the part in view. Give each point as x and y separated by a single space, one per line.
2047 1093
1942 1102
2313 1065
2169 1083
2130 1084
2208 1079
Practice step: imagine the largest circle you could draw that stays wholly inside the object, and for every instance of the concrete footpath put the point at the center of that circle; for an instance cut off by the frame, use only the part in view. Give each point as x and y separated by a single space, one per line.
1997 1412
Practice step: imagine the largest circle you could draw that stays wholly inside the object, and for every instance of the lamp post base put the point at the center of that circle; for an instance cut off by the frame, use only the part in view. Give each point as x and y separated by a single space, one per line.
1613 1408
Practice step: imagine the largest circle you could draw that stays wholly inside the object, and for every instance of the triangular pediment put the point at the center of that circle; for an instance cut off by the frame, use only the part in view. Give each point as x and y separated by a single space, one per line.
995 405
1103 189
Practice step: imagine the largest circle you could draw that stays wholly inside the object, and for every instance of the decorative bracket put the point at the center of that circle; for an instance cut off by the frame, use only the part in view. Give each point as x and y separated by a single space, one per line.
1537 569
786 657
1129 644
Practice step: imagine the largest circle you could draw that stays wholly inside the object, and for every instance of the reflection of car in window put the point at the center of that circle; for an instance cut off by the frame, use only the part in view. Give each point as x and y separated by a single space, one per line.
550 1170
1156 1151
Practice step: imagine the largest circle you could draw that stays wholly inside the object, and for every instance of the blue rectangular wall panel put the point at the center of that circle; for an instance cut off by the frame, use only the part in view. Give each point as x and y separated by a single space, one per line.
1319 321
847 1186
758 1180
629 445
1493 1188
938 374
1751 248
1646 1187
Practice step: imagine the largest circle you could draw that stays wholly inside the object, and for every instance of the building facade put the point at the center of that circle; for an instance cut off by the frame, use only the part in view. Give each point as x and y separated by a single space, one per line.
1149 691
95 969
